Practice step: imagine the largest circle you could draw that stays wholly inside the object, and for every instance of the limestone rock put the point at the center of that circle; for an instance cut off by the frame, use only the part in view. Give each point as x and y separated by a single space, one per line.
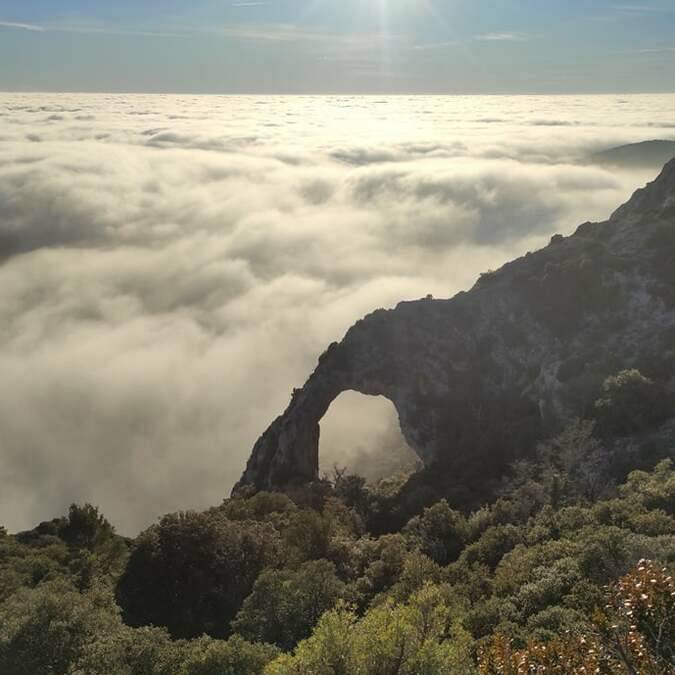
477 379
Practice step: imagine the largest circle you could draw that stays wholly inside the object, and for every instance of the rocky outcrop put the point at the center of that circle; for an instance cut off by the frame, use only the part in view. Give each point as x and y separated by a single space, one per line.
487 373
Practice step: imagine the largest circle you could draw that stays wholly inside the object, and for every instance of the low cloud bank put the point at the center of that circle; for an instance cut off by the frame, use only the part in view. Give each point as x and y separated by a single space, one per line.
170 267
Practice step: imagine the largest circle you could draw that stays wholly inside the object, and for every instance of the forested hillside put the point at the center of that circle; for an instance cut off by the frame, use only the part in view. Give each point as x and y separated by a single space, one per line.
567 571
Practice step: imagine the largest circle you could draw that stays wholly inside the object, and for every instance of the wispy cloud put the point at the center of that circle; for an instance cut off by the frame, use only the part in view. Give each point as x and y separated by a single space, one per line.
501 37
657 50
279 32
122 31
92 27
22 26
273 33
429 46
642 9
627 12
84 27
295 33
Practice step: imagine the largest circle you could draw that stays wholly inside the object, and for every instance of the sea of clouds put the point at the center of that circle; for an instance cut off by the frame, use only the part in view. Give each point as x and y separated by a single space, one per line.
172 266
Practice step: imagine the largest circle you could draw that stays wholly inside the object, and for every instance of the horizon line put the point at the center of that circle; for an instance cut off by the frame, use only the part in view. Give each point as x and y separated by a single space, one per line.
333 93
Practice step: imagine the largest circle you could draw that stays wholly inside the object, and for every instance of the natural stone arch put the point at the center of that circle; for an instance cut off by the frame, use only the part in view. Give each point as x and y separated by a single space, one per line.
288 452
479 379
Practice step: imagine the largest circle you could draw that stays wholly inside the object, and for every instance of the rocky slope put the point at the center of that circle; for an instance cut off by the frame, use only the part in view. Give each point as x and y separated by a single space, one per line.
477 379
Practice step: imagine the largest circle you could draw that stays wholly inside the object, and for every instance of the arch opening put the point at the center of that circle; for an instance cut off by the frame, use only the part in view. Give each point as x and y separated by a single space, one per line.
362 434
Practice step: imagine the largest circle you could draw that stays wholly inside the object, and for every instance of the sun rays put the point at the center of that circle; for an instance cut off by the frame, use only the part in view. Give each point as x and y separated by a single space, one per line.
361 16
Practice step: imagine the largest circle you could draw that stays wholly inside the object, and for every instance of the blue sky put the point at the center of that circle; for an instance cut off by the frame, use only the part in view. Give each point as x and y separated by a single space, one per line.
324 46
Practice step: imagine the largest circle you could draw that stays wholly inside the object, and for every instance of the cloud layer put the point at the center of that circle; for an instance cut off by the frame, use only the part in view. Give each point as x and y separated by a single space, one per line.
170 267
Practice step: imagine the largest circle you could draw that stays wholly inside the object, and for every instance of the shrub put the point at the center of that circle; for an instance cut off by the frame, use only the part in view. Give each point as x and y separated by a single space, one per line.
234 657
191 572
44 631
440 532
630 403
285 605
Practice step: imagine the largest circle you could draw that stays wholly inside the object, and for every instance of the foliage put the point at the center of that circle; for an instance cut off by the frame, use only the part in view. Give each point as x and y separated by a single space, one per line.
414 638
43 631
82 547
440 532
192 572
131 651
86 528
234 657
307 536
574 465
285 605
633 633
630 403
565 570
327 652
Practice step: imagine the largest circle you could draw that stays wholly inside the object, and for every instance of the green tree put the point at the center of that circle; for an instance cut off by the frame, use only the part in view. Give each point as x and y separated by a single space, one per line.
351 489
234 657
655 490
416 638
327 652
86 527
285 605
574 465
493 545
420 637
440 532
44 631
631 403
192 571
271 507
132 651
418 570
632 632
307 536
384 562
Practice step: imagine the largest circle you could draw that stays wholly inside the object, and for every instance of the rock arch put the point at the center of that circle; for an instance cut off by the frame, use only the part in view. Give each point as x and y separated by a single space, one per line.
487 373
288 452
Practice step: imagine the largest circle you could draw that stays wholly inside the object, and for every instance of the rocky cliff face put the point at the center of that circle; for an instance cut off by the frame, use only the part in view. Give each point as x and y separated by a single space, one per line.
484 375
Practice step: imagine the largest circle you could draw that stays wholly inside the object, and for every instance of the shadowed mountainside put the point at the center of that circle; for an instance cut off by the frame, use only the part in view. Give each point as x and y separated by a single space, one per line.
647 154
478 379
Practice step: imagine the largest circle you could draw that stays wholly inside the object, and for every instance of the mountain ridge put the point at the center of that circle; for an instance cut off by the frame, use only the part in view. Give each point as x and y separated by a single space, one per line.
486 374
645 154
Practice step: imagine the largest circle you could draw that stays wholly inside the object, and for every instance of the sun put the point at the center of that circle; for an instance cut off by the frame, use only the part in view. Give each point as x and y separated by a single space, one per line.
363 11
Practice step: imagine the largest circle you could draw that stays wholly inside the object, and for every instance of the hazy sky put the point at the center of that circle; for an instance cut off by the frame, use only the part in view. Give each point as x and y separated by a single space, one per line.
318 46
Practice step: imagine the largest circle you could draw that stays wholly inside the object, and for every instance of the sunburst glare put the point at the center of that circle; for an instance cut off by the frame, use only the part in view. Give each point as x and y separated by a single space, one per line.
307 363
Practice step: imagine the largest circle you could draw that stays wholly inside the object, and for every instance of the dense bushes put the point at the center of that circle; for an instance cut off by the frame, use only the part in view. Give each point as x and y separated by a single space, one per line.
46 630
440 532
422 635
633 631
56 630
285 605
543 577
631 403
192 571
